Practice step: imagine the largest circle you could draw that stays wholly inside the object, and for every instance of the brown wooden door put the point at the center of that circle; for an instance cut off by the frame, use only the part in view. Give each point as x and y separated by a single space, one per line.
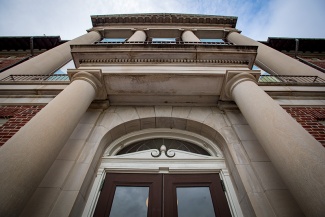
194 195
162 195
132 184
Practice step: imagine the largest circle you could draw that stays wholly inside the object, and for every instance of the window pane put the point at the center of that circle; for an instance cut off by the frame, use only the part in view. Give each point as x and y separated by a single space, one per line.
113 40
211 40
194 202
130 202
163 40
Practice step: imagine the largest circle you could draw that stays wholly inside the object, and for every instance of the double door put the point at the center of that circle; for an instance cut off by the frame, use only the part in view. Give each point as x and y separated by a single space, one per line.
162 195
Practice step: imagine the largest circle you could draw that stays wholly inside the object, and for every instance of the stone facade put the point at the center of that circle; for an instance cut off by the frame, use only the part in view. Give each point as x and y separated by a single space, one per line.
200 92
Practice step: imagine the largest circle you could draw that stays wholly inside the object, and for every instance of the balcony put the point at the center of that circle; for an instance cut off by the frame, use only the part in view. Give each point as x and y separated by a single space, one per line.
264 80
166 42
290 80
61 78
204 89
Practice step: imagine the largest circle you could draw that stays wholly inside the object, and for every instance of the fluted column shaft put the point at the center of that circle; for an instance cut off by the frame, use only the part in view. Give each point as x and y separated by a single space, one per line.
50 60
27 156
138 35
273 61
189 36
297 156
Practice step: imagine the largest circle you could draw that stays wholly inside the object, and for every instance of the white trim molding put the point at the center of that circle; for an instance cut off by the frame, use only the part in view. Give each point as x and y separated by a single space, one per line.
182 163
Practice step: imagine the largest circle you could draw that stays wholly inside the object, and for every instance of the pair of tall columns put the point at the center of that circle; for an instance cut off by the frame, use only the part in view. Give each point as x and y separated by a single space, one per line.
298 157
27 156
187 36
273 61
49 61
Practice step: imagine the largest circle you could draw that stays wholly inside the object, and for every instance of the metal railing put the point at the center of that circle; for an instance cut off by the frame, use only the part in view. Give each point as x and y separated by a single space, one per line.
31 78
290 80
264 80
166 42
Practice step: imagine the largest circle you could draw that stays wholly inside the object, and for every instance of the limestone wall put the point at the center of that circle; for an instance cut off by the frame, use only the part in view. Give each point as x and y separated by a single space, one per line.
66 186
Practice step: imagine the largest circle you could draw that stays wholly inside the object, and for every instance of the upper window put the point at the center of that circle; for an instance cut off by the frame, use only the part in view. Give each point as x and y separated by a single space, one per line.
113 40
211 40
163 40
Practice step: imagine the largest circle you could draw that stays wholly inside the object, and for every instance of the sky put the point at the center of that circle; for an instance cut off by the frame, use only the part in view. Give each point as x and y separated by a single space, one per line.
258 19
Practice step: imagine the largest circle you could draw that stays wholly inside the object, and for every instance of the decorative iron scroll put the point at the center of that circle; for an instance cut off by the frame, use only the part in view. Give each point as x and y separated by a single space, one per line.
164 150
163 145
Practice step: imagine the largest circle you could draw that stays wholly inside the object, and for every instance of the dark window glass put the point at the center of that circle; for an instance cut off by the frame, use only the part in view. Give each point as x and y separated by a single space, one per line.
130 202
194 201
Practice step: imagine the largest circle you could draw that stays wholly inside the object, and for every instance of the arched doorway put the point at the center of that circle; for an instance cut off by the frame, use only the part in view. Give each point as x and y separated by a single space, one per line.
181 161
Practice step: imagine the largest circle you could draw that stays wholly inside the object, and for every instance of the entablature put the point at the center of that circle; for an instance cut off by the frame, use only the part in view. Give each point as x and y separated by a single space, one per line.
217 55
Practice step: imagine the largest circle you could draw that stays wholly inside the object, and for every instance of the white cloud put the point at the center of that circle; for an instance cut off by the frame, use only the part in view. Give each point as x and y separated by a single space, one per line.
298 18
257 19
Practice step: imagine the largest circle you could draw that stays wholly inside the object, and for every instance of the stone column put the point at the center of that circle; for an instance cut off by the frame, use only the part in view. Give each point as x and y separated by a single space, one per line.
297 156
27 156
273 61
189 36
138 35
51 60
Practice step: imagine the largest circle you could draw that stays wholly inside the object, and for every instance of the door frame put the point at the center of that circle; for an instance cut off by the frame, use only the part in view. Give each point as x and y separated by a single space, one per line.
110 162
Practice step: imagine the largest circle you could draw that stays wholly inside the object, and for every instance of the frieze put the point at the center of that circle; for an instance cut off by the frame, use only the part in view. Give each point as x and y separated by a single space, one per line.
115 60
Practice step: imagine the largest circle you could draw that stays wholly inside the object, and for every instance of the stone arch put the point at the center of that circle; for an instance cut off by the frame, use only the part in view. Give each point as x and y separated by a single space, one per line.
117 122
208 122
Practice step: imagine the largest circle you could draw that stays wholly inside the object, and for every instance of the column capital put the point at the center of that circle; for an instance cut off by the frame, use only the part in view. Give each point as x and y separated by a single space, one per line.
229 31
188 36
233 78
93 77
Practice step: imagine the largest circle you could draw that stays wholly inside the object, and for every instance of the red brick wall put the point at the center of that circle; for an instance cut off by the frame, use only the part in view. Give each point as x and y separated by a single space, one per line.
318 61
17 117
5 62
309 118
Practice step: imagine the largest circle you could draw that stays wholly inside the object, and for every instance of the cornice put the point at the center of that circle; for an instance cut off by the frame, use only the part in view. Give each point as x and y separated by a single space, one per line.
163 18
164 54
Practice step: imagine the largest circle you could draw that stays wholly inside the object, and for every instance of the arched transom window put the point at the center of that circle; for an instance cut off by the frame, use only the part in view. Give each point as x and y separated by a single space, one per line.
162 144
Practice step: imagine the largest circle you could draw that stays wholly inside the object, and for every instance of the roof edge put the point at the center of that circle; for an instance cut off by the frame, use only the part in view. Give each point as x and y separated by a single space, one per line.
163 18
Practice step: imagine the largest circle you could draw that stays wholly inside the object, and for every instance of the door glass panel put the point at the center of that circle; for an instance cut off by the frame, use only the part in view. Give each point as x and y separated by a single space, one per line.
130 202
194 202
